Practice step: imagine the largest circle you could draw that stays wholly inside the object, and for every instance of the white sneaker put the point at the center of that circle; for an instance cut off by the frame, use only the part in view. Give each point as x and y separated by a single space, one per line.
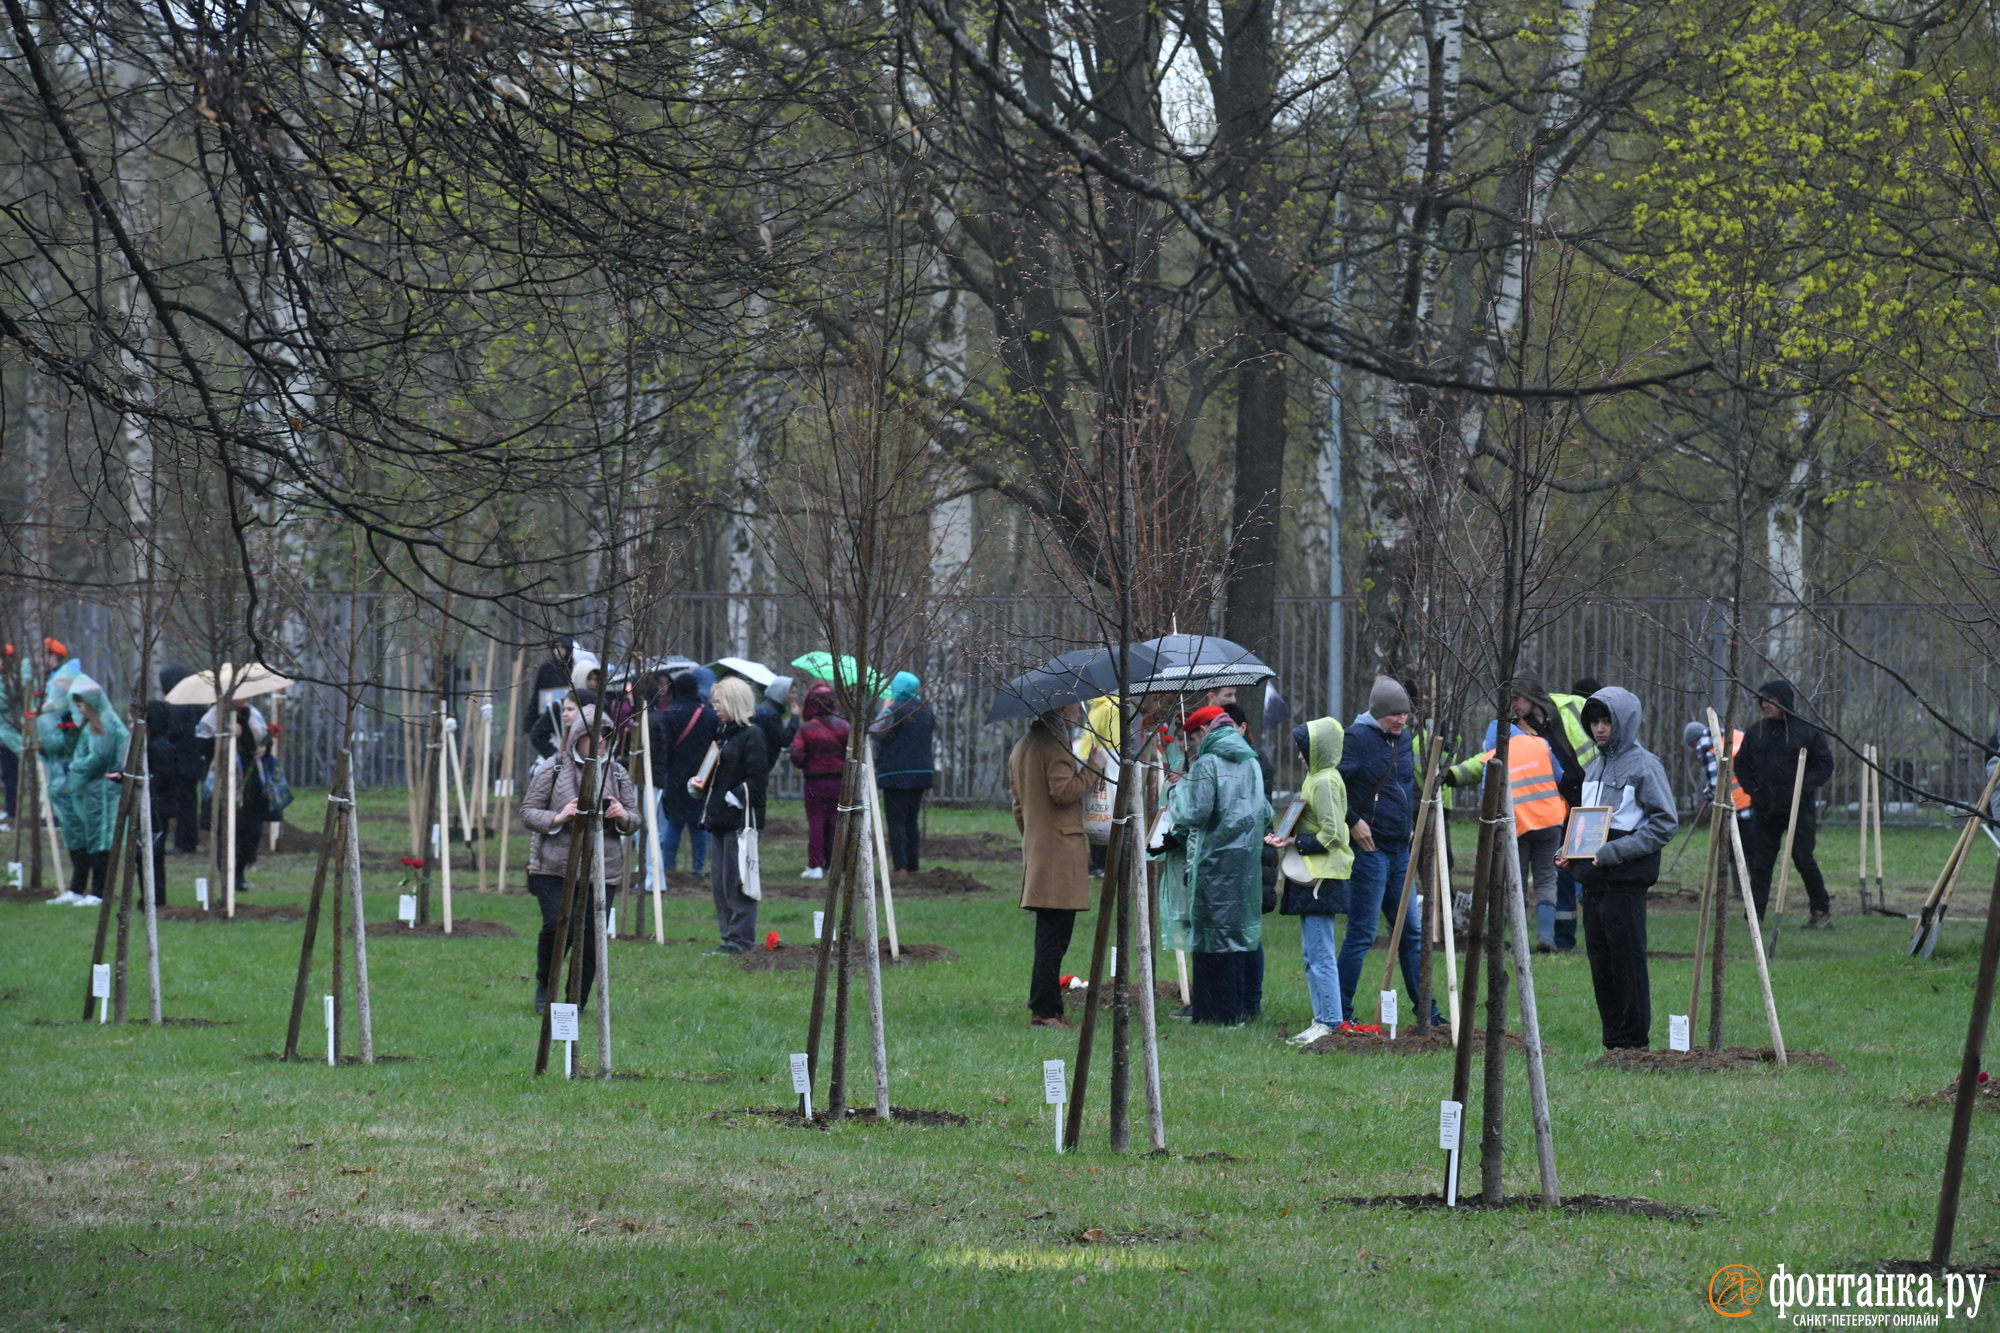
90 900
64 899
1310 1035
813 872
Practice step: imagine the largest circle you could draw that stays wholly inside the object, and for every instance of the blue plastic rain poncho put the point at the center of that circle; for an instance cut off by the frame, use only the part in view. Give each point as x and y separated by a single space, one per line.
86 800
1221 806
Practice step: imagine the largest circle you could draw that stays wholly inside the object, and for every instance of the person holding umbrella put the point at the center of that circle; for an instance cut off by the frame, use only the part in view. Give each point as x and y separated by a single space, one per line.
1220 803
1048 786
902 733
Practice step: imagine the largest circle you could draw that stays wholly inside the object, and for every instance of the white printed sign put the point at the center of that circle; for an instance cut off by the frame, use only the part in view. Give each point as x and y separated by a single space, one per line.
406 909
100 980
562 1022
201 892
1677 1032
1055 1084
1451 1129
819 923
801 1074
1389 1012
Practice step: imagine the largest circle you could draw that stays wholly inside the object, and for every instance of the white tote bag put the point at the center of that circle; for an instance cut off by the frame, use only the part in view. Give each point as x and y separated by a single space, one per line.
748 865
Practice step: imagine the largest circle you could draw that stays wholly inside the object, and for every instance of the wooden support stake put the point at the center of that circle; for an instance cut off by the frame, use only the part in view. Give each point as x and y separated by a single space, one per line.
572 873
1491 789
1867 793
1757 945
1531 1023
1718 810
1133 831
1785 853
599 944
1441 867
1965 1101
1410 875
1875 780
123 870
119 833
879 835
878 1049
649 828
444 810
362 1015
506 793
148 885
1924 938
330 829
1086 1036
482 781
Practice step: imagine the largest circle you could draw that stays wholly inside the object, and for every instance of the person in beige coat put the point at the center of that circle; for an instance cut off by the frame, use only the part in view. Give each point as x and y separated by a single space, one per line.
1048 786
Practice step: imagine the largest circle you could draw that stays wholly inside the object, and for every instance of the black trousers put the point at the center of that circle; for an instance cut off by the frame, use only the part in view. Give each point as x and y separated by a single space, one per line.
1053 928
1764 840
1614 936
89 872
548 891
1221 984
903 810
10 775
1253 983
176 800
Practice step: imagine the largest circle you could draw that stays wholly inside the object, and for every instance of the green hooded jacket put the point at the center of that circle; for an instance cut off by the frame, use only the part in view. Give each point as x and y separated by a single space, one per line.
86 800
1325 795
1222 806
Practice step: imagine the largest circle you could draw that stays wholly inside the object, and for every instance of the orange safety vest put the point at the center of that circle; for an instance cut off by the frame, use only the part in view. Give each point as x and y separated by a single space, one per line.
1737 796
1531 773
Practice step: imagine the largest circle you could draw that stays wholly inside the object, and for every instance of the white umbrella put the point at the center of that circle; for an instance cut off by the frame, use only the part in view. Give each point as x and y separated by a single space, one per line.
744 667
244 682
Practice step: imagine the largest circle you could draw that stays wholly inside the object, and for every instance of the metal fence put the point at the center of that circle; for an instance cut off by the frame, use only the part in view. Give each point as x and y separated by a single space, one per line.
1871 673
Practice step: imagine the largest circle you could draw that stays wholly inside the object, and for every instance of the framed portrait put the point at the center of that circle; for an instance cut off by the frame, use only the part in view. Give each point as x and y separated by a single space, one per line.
1589 829
1290 820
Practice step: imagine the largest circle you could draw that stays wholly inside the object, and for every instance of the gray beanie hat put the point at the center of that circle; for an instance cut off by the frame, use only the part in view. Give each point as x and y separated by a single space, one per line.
779 691
1694 733
1387 697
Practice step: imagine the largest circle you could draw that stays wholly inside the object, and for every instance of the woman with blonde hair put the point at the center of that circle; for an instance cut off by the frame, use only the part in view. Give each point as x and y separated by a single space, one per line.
732 801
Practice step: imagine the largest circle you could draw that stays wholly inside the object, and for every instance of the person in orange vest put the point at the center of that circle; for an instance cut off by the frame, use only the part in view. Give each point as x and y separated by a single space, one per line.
1697 738
1539 815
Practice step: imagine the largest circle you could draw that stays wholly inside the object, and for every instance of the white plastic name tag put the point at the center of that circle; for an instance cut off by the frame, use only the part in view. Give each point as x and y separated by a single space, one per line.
1677 1032
1451 1123
1055 1085
201 893
100 980
801 1074
406 908
562 1022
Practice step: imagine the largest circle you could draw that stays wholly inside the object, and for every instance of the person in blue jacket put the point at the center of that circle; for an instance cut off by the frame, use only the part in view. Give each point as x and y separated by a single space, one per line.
1378 764
904 766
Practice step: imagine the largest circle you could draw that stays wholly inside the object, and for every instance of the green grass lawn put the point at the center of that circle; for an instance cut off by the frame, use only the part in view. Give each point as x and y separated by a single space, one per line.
183 1178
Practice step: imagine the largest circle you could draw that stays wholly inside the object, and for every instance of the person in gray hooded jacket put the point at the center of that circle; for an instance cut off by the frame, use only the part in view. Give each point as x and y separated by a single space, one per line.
1628 778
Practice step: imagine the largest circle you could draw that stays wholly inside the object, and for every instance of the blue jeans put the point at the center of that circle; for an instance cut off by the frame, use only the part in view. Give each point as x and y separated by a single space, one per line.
1372 893
670 843
1322 971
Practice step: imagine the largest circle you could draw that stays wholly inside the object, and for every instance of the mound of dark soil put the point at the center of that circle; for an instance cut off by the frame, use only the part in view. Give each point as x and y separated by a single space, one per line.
792 957
245 911
1167 993
1989 1097
25 896
466 928
1573 1204
1705 1061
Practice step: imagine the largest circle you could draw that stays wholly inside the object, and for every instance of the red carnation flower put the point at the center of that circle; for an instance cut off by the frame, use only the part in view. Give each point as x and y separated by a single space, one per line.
771 942
414 862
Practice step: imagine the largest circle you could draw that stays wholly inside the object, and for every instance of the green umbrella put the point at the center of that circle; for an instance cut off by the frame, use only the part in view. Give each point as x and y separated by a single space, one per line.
825 666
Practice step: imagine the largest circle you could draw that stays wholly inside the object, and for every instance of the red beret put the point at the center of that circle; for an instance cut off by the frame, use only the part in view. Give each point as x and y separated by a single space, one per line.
1200 718
55 647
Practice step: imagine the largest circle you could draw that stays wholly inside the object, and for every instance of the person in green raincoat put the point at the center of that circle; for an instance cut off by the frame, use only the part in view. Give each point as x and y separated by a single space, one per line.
86 799
1220 803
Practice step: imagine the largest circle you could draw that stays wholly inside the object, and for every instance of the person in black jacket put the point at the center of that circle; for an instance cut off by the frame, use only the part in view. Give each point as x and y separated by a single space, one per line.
173 759
682 733
775 718
731 801
903 766
551 684
1765 766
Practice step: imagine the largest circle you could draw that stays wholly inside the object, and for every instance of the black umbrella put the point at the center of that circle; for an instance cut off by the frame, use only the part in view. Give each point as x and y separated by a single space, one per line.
1071 678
